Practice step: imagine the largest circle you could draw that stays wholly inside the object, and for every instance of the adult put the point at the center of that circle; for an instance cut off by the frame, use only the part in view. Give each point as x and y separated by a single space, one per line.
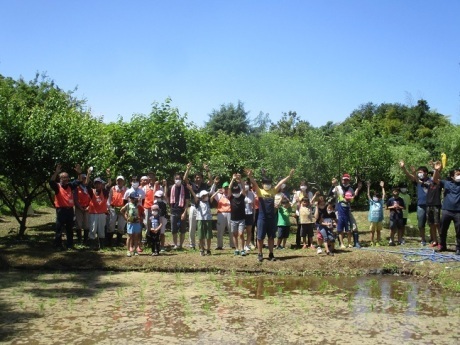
64 204
223 215
237 196
422 182
198 185
249 202
116 219
150 189
82 200
97 209
178 207
450 206
266 223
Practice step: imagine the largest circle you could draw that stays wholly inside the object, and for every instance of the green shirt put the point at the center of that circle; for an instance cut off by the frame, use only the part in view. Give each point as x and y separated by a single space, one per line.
284 216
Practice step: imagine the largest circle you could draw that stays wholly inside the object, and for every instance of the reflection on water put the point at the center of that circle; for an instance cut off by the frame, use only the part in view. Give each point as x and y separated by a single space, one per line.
124 308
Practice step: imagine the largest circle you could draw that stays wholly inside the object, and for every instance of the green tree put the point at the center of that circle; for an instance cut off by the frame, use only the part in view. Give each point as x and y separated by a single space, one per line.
40 125
229 119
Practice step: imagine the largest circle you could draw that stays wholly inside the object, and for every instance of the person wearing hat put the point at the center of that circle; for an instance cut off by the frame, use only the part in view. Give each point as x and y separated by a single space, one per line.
64 203
237 196
198 185
266 222
134 215
223 215
82 200
178 203
150 189
203 218
97 209
155 230
116 219
136 188
395 204
345 194
160 200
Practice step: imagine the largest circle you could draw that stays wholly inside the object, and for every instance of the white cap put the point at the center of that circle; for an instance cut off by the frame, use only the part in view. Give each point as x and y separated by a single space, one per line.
120 178
202 193
159 193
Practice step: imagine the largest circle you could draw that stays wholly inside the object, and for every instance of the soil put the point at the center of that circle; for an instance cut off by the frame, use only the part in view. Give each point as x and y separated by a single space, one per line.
36 251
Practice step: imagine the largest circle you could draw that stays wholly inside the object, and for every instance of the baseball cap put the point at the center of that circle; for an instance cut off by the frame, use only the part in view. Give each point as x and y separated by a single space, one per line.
346 177
159 193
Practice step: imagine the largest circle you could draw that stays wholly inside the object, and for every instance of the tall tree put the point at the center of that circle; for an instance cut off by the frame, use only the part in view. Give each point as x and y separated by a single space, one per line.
229 119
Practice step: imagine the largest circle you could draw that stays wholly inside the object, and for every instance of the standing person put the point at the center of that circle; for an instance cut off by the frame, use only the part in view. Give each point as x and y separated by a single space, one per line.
375 215
223 215
284 222
407 201
155 230
249 201
82 199
198 185
420 178
302 193
204 219
116 220
326 219
64 203
178 207
450 206
139 190
97 210
236 195
149 188
266 223
134 215
395 204
306 222
160 200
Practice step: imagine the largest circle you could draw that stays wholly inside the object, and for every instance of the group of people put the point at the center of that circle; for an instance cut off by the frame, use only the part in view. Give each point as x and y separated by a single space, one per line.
249 210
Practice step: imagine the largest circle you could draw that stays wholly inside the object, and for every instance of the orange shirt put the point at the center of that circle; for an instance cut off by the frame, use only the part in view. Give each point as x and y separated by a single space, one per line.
98 204
64 198
83 197
223 204
150 196
117 196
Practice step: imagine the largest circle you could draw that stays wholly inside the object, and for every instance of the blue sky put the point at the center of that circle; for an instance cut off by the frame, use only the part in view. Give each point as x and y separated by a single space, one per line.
322 59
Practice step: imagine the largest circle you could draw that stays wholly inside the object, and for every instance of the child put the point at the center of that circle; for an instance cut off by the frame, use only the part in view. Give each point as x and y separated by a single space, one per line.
395 204
203 219
134 215
375 216
407 201
284 223
155 230
306 223
237 197
163 213
326 219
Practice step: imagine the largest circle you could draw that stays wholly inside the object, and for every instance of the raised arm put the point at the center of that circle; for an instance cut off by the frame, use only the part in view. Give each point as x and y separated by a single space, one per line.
402 165
368 183
187 171
255 186
284 180
437 169
382 184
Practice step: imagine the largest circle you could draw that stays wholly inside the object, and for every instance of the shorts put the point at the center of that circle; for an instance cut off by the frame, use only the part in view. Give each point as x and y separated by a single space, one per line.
204 229
326 234
421 216
343 224
237 226
266 227
306 230
178 225
283 231
396 224
376 226
433 214
249 220
133 228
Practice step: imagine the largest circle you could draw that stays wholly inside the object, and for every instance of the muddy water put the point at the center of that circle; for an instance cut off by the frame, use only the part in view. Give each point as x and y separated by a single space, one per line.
168 308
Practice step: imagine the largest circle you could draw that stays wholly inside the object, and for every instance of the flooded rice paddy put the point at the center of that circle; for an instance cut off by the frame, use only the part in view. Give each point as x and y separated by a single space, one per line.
179 308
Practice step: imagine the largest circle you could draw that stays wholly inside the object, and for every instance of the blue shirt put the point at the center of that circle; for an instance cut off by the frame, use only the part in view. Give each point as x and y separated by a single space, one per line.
375 211
451 195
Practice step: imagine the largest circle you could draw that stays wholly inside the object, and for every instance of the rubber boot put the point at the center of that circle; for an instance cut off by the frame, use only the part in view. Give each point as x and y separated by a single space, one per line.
101 243
85 237
119 240
108 239
356 239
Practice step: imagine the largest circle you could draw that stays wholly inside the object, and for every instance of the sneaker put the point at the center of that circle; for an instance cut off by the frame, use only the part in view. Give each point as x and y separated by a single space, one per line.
403 241
377 244
175 247
433 244
136 254
219 248
155 254
423 243
457 252
371 244
342 246
350 246
243 253
330 253
162 250
260 257
192 247
247 249
208 252
392 244
271 257
252 246
129 254
236 252
202 253
319 250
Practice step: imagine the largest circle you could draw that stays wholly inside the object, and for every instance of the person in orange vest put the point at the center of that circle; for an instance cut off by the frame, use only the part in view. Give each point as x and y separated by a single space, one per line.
82 199
116 219
97 209
150 189
64 204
